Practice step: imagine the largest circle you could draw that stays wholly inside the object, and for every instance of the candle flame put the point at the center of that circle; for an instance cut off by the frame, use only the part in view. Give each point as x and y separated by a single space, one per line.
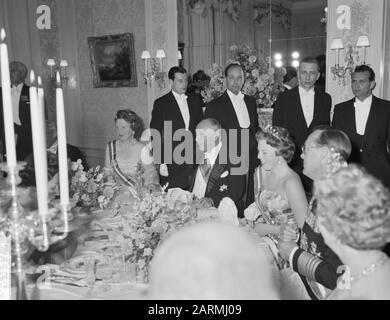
58 78
39 81
2 34
32 77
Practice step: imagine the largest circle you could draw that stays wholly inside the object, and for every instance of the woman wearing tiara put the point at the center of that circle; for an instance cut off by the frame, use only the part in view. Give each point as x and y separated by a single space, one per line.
280 199
127 158
279 195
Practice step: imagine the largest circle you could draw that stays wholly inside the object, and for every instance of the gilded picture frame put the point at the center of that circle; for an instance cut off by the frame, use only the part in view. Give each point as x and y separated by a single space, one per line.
113 60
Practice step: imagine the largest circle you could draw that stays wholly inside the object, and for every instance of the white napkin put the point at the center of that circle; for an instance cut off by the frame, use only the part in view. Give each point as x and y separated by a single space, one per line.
178 194
228 211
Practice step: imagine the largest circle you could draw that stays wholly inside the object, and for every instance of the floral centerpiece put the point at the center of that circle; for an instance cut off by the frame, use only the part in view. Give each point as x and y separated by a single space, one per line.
92 189
261 81
153 219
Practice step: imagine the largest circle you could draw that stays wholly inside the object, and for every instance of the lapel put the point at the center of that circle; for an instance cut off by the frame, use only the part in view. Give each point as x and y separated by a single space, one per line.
215 174
252 120
233 115
374 118
317 107
192 109
296 102
176 110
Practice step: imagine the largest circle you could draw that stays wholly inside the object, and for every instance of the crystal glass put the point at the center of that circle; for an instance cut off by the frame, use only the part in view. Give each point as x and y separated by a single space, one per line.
90 277
104 272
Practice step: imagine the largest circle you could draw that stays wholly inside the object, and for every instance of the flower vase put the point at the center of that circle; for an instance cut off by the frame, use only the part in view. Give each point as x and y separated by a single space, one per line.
265 117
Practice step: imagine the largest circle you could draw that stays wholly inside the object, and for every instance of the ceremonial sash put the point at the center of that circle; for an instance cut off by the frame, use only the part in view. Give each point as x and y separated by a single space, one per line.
128 181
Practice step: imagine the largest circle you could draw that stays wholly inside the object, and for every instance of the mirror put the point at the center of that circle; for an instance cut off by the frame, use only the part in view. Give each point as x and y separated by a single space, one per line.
207 30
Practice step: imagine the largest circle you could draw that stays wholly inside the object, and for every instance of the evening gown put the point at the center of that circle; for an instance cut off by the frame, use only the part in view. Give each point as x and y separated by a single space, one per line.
274 208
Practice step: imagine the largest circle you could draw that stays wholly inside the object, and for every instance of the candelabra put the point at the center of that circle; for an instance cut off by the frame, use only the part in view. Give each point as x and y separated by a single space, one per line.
26 227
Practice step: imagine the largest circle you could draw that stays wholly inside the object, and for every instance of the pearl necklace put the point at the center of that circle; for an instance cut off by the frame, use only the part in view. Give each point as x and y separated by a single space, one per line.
370 269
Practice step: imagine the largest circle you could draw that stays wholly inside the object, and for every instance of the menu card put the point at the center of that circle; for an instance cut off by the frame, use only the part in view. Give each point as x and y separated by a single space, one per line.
5 267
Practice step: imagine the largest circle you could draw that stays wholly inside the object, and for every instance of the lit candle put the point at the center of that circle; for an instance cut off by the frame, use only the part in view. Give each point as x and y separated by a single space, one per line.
7 103
39 144
41 94
62 151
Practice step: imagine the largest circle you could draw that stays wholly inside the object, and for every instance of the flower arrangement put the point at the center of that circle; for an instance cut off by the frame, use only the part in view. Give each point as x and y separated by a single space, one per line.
261 81
153 219
92 189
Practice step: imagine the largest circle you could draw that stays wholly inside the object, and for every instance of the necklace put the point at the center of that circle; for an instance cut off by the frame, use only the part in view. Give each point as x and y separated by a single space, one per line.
370 269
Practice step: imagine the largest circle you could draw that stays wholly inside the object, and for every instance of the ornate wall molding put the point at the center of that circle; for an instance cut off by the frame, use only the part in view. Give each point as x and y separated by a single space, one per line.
279 14
232 7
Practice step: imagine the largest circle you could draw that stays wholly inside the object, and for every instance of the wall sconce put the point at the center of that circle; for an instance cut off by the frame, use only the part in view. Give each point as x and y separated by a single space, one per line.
363 42
340 72
61 69
154 67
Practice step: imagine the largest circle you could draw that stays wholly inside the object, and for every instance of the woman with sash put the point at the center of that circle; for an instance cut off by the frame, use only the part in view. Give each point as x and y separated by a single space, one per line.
280 200
128 159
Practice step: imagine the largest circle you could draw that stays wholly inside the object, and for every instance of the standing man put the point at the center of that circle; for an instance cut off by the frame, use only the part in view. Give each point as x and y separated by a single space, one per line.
301 109
366 121
236 111
21 111
175 111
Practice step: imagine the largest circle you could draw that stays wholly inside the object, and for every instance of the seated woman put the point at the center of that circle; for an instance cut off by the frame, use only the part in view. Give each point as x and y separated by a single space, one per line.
126 157
354 219
279 195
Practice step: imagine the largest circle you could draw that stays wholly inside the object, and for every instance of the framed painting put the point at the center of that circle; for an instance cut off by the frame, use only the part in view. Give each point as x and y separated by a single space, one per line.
113 60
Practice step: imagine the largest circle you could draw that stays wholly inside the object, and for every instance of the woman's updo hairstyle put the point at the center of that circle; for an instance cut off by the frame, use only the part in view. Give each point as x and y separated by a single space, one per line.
280 139
136 123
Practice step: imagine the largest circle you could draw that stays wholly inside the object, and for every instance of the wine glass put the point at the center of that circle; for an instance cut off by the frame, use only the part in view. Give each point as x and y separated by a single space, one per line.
104 272
90 278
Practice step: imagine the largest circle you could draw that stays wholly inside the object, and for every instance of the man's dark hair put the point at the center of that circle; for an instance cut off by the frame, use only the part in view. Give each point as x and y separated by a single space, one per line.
311 60
291 73
234 64
174 70
365 68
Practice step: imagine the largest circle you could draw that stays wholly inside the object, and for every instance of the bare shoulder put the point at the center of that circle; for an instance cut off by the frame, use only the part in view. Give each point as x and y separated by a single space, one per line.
291 181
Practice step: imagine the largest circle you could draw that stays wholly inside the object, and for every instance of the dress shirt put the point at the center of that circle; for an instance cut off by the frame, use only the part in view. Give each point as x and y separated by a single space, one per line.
307 102
183 105
287 86
362 110
200 184
15 94
240 109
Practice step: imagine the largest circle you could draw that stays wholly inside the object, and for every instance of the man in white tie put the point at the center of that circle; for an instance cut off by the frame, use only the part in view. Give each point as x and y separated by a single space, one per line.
301 109
237 114
172 112
366 121
214 178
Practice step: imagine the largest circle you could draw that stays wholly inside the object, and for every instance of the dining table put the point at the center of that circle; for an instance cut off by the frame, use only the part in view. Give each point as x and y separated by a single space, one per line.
109 276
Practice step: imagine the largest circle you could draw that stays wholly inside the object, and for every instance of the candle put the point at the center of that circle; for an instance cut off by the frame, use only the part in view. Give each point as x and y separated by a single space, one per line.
7 103
41 99
62 151
39 144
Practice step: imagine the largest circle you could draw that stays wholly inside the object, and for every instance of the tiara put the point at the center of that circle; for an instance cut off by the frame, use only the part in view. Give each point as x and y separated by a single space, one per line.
273 131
